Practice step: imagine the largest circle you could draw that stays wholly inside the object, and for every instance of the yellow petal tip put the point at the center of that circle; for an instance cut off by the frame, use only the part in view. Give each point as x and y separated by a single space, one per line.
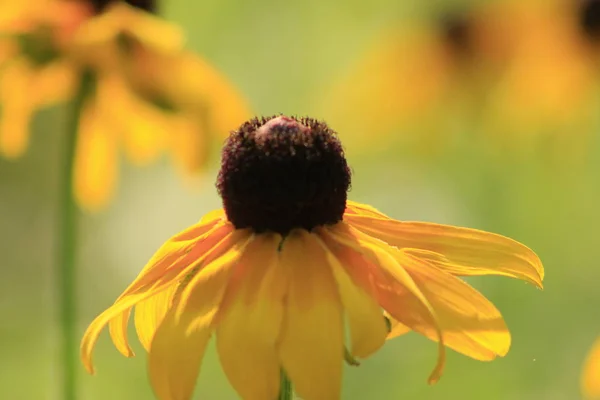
89 368
433 379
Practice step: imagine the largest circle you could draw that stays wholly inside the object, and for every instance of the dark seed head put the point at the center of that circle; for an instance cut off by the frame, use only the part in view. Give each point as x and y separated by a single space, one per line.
279 173
457 31
146 5
589 19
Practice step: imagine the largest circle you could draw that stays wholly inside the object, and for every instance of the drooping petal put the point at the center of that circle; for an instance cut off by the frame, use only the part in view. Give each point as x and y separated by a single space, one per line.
590 379
143 127
179 251
194 254
250 321
312 340
23 89
179 343
150 313
459 251
96 160
194 84
368 329
370 262
189 144
123 305
472 325
53 83
17 108
122 18
150 30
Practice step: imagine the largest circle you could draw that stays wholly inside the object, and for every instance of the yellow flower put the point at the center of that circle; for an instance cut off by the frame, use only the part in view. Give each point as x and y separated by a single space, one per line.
590 380
549 82
411 78
508 69
142 113
289 261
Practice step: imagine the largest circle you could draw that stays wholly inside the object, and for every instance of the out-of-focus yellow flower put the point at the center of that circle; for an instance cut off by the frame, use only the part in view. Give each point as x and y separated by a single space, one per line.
289 261
590 379
46 48
509 69
411 78
549 83
198 90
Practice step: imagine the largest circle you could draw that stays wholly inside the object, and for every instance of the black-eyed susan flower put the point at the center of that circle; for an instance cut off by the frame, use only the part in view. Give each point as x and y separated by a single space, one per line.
288 262
48 45
419 77
548 84
590 379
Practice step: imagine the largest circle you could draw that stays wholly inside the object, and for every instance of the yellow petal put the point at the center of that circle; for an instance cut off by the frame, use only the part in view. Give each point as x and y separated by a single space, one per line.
190 260
53 83
189 144
368 329
180 250
312 340
590 380
150 30
24 88
122 18
250 320
150 313
192 84
96 160
459 251
120 307
143 128
213 215
226 107
17 107
118 311
471 324
178 346
9 48
352 207
370 261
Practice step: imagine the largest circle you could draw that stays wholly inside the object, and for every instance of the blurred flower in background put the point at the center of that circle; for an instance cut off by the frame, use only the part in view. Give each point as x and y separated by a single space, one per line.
148 94
549 83
590 380
413 79
516 70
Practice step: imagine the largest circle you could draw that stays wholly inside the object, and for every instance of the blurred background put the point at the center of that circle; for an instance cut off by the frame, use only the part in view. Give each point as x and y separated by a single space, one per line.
481 114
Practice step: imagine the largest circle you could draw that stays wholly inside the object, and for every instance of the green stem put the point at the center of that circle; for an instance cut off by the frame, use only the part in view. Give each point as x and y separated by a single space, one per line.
285 388
65 267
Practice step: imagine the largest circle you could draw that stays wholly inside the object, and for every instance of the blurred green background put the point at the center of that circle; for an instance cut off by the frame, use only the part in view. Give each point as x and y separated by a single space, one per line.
285 56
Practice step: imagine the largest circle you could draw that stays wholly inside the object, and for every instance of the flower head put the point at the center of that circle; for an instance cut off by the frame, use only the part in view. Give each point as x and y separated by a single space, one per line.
589 19
289 261
138 103
547 86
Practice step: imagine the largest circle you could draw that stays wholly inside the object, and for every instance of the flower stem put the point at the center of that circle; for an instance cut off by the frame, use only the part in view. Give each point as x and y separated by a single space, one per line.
285 388
65 267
